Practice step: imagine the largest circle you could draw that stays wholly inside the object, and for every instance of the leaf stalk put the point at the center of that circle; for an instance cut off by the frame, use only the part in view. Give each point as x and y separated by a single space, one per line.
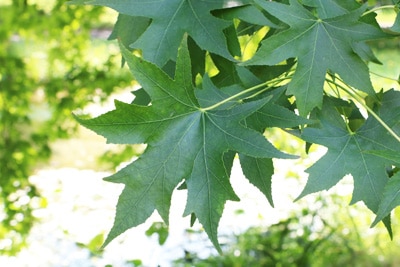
378 8
265 85
353 93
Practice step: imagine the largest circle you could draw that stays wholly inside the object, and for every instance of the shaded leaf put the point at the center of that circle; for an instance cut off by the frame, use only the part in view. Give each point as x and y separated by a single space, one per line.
170 20
332 8
248 13
141 97
125 32
259 172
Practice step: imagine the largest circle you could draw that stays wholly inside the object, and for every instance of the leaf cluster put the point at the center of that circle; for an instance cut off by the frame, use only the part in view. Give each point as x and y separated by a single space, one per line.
216 75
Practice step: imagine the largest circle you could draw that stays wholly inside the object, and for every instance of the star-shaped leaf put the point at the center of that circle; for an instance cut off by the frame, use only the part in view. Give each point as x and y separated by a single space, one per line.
171 20
348 152
185 141
320 44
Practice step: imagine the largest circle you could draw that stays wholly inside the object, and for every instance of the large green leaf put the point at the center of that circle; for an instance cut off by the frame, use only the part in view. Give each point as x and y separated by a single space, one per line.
348 152
171 20
320 43
185 140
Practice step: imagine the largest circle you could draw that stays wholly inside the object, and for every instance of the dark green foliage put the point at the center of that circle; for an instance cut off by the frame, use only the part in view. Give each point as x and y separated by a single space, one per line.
215 77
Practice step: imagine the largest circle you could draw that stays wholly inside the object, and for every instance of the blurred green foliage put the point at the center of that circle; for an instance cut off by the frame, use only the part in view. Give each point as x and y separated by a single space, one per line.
160 229
324 234
47 69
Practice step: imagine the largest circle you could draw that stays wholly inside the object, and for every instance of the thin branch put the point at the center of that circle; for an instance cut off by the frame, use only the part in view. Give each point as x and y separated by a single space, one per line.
378 8
353 93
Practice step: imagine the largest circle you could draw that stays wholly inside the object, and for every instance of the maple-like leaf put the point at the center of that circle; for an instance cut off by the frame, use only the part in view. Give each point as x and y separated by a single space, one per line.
349 152
320 44
186 140
258 171
171 20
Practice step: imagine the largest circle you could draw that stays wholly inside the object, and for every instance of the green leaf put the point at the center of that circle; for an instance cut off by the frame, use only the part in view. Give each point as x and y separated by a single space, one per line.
274 114
389 155
347 151
248 13
259 172
124 31
320 44
141 97
365 52
227 74
170 20
159 228
390 199
332 8
185 140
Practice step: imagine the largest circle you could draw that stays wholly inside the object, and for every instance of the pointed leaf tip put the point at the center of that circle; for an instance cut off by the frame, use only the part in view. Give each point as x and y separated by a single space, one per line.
390 200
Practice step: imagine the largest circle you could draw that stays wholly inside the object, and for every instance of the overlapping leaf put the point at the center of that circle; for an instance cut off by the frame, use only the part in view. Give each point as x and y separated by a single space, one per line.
320 44
331 8
185 140
390 199
348 152
170 20
258 171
